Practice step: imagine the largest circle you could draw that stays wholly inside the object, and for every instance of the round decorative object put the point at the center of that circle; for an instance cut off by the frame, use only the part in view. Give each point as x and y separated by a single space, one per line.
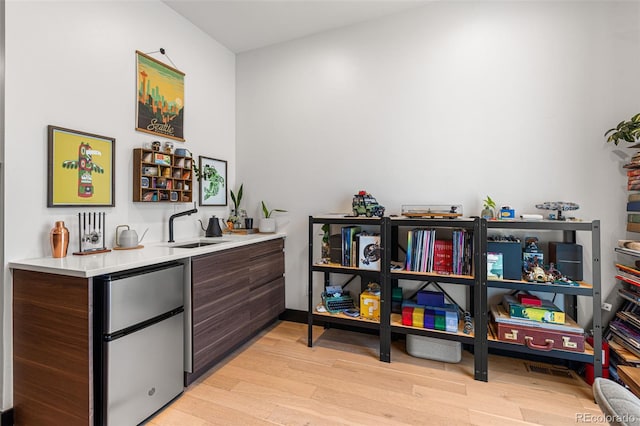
155 145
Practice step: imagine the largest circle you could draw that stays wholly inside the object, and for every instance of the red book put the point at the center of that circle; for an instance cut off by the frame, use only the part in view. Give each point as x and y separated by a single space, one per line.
527 299
633 172
443 256
628 279
628 270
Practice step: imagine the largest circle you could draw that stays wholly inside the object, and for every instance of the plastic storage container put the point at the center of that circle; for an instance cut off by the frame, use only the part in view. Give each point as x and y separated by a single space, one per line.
435 349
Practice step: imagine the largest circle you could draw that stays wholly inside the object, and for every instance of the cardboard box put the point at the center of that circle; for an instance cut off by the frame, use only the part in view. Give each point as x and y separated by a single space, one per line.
430 298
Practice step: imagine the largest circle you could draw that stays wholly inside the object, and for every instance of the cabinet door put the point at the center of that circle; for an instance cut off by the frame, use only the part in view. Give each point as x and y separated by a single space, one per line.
52 347
266 277
220 294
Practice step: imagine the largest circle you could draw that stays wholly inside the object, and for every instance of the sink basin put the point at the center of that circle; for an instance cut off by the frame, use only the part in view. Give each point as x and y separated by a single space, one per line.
198 244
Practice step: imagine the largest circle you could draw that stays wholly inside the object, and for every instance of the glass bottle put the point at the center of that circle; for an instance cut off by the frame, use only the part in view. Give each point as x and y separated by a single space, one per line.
59 240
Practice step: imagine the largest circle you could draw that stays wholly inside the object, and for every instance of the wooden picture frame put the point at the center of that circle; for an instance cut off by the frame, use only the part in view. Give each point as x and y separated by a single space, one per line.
81 168
212 186
160 98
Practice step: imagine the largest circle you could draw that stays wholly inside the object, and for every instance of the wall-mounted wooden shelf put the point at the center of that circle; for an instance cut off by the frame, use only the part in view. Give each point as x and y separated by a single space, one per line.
158 176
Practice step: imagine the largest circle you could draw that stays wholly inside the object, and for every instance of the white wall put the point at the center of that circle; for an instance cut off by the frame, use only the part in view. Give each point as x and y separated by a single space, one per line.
72 64
443 104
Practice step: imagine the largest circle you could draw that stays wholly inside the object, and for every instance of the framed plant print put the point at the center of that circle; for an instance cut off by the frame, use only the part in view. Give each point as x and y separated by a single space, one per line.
160 95
81 168
212 177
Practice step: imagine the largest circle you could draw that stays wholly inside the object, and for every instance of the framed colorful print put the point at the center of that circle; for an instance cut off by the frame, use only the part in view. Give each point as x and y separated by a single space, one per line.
213 181
81 169
160 94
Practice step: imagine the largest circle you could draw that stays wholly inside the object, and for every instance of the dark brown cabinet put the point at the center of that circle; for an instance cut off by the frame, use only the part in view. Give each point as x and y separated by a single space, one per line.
52 366
235 293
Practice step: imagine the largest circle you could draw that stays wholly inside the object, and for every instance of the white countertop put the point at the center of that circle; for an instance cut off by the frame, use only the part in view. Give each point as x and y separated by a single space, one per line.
121 260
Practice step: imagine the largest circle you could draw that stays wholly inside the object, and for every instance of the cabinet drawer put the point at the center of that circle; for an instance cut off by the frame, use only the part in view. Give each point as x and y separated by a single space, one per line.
218 334
267 302
212 265
227 289
266 268
267 247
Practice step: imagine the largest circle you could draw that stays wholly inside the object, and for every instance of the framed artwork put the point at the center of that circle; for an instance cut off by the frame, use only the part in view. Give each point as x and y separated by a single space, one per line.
160 95
213 181
81 169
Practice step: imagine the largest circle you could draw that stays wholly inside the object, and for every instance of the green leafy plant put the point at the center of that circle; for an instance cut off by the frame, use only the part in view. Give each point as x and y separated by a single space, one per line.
267 213
236 198
627 131
489 203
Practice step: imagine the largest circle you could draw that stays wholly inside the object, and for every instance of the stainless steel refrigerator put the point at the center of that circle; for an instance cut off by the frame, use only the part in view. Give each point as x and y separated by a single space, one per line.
138 359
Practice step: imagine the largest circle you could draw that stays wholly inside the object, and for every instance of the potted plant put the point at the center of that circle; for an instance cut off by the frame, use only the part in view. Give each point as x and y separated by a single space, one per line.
627 131
268 223
489 208
237 214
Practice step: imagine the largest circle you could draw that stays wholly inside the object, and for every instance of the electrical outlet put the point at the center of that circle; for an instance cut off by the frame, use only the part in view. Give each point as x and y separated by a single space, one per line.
606 306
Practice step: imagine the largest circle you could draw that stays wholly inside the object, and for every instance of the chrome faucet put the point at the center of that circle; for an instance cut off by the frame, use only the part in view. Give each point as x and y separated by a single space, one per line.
173 216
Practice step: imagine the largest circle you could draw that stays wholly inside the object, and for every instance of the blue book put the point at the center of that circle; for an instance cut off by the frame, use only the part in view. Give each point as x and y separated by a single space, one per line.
633 206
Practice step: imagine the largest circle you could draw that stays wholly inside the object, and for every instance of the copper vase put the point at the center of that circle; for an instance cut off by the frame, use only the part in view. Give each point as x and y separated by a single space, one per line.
59 240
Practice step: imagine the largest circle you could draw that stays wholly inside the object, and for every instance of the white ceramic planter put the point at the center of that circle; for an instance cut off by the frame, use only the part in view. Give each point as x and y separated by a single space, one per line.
267 225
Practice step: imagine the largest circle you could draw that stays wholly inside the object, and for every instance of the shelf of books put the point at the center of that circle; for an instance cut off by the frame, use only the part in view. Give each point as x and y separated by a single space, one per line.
623 333
633 199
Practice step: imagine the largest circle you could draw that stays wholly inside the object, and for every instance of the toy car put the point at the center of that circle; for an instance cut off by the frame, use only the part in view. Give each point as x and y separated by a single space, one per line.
364 204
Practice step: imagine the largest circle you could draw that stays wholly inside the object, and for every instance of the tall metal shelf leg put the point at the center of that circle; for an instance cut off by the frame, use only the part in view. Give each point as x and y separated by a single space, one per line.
481 347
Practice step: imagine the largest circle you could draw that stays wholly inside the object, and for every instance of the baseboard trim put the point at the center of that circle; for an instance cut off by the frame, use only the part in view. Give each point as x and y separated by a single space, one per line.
7 417
294 315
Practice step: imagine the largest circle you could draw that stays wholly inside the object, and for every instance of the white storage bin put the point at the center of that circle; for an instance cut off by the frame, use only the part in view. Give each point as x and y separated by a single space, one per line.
432 348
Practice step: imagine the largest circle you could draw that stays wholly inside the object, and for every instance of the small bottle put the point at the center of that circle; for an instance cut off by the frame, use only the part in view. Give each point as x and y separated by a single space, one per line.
59 240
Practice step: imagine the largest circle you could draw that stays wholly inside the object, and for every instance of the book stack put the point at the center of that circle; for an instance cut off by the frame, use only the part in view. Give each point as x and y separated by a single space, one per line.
537 323
628 274
633 202
426 253
349 251
623 334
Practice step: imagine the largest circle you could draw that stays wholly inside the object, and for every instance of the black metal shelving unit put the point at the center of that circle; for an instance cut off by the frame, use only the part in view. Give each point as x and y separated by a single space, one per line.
569 229
477 285
326 269
477 298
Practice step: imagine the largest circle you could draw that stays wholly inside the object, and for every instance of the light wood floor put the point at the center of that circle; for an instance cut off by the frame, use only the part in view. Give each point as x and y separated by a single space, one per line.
277 380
